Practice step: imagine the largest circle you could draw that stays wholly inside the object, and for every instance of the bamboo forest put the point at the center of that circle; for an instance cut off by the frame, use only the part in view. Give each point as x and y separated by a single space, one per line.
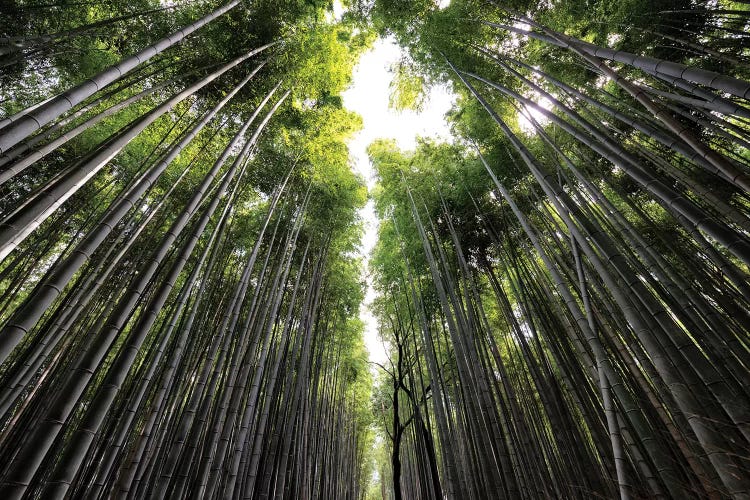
205 294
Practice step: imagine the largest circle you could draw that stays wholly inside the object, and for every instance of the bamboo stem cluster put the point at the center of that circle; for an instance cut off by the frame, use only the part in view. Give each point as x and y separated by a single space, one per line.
178 333
571 302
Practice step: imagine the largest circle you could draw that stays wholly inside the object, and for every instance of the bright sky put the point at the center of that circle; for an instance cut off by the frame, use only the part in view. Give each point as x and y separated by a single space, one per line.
368 96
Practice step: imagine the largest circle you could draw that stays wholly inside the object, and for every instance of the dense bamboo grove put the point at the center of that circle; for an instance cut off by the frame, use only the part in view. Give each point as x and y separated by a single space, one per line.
563 290
178 276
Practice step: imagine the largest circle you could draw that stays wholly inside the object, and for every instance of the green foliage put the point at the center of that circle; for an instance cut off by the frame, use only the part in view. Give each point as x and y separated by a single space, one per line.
407 88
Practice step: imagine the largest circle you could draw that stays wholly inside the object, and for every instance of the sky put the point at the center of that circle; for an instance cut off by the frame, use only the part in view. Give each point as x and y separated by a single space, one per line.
368 95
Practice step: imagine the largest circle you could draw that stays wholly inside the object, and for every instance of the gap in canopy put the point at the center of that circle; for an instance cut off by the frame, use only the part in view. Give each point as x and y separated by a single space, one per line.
368 96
